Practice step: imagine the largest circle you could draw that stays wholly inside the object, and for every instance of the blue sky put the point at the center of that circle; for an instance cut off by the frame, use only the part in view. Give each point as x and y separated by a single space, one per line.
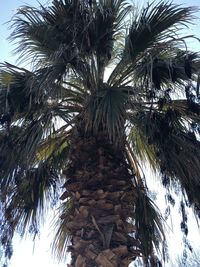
23 250
7 10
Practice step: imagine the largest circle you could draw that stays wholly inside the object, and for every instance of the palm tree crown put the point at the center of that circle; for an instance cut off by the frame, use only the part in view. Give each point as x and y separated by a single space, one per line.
98 69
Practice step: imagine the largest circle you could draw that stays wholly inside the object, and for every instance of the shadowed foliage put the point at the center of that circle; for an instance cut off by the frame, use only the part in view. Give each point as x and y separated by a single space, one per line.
109 87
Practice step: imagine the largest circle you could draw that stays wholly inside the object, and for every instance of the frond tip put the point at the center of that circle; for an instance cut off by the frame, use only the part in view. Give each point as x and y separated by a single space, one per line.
150 225
61 242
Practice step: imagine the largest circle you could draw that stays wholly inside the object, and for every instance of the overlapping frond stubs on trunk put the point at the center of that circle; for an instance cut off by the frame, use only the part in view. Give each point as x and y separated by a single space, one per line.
100 186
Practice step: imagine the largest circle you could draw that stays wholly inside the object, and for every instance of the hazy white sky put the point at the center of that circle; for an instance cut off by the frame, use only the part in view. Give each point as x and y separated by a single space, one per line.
35 255
23 250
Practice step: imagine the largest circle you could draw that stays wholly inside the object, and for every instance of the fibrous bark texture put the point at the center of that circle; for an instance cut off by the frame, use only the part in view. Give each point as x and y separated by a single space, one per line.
100 186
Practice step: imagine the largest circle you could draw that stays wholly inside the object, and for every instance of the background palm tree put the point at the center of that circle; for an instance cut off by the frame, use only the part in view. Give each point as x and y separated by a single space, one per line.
66 121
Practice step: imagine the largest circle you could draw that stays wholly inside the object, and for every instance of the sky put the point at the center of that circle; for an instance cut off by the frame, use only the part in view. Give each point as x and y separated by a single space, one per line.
23 249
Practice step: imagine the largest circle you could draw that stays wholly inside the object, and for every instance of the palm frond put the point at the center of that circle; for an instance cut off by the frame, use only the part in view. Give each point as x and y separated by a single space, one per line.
141 147
106 111
54 150
161 70
62 238
38 26
154 24
157 24
27 198
149 223
187 110
176 149
109 15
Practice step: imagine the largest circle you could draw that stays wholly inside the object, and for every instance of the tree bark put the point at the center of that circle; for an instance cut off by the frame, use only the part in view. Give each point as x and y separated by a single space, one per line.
99 183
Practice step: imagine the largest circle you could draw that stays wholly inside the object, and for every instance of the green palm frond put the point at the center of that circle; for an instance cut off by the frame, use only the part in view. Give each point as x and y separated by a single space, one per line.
147 217
62 238
149 223
75 31
26 200
164 69
28 193
141 147
30 146
189 111
55 149
176 149
38 26
35 89
155 25
7 146
106 111
109 15
12 92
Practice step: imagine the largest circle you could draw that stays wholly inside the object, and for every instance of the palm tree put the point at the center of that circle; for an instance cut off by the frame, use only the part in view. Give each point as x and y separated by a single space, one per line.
109 86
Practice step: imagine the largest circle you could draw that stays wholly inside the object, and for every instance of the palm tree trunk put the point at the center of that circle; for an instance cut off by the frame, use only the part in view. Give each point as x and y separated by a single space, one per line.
99 183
